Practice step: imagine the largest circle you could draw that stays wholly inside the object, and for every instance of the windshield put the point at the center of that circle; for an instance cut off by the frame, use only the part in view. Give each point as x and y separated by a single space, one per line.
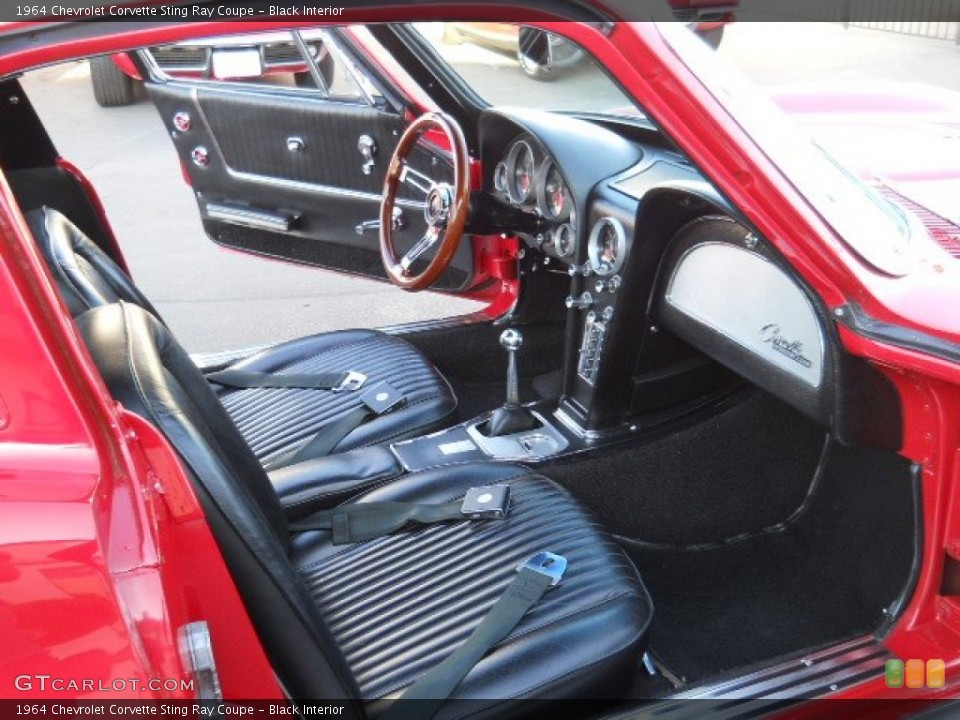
508 64
875 228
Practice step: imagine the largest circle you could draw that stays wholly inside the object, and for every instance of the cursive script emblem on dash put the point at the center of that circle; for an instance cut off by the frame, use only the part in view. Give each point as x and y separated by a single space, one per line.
792 349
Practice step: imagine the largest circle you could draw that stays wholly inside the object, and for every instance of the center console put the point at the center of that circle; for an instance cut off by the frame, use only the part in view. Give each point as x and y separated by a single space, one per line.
512 432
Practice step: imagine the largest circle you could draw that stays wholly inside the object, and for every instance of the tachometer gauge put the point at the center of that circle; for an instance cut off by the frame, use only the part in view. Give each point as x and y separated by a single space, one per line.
553 194
501 177
607 247
521 168
564 240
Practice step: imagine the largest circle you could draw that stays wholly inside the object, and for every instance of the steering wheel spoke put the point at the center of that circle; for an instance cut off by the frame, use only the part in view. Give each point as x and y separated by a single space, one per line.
445 207
416 179
422 245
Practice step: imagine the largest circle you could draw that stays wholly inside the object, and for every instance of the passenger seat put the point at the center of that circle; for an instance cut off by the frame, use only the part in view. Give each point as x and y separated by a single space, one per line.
276 422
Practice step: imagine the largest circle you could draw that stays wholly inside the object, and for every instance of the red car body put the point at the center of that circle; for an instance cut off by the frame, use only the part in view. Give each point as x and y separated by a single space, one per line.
104 551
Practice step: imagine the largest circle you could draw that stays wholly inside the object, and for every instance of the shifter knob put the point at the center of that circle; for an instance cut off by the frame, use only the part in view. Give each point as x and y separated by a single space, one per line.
511 340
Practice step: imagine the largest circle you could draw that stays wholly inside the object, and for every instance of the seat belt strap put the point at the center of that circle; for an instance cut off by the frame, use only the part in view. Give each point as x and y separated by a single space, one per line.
326 439
534 577
359 522
378 400
335 381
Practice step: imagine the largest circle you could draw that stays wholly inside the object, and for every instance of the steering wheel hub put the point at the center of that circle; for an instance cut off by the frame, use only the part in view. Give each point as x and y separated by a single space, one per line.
437 208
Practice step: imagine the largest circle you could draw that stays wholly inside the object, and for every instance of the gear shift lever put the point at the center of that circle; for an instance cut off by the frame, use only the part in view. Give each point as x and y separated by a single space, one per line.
512 417
511 340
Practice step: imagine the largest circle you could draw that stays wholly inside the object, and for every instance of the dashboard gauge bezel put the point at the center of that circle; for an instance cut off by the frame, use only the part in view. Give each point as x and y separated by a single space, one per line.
568 227
594 248
512 192
543 202
501 186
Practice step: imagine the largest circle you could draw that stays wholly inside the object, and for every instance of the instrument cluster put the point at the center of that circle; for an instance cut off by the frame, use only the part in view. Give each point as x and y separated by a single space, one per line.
530 179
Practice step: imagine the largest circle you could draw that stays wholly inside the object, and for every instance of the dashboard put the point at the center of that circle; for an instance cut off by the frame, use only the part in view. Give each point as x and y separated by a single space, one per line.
584 188
528 177
667 288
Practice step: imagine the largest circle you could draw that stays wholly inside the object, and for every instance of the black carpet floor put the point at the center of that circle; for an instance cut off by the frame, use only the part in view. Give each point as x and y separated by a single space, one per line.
733 473
785 542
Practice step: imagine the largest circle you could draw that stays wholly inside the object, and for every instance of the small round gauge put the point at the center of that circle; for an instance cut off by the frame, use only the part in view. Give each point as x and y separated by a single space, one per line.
553 194
521 170
607 246
501 177
564 240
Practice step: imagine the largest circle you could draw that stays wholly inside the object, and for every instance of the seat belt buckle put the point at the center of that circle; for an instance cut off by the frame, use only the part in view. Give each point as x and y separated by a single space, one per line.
546 563
488 502
382 398
353 380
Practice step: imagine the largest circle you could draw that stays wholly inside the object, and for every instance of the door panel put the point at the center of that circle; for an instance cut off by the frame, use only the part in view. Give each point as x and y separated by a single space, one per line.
252 134
278 172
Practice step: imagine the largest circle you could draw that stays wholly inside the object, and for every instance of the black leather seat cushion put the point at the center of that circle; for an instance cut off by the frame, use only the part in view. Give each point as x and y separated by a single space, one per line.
275 421
400 604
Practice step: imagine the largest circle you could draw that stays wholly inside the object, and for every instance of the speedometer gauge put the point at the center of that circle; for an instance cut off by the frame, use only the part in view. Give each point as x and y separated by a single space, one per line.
607 247
521 168
553 195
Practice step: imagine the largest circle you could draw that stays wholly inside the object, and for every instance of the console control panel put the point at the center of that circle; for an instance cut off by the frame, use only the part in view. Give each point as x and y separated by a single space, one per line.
591 347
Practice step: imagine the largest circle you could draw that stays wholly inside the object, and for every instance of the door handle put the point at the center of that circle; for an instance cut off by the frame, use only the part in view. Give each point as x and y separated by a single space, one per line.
368 148
399 222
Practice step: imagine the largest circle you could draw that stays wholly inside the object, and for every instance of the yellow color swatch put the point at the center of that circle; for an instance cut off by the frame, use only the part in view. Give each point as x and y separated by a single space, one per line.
936 674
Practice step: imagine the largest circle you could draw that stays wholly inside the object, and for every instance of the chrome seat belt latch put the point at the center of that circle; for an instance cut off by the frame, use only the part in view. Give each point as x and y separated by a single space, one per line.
546 563
352 381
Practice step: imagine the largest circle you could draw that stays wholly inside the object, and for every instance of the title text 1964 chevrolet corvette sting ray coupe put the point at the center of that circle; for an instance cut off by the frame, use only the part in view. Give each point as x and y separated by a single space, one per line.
703 443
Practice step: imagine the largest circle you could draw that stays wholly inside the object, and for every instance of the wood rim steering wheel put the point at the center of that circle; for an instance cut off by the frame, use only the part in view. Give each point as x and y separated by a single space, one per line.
445 209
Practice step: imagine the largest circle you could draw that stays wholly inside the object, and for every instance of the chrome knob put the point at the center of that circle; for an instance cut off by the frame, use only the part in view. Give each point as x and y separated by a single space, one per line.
182 121
580 303
200 156
511 340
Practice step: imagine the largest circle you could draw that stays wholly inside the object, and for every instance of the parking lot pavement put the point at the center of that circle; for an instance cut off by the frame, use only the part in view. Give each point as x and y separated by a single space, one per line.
215 299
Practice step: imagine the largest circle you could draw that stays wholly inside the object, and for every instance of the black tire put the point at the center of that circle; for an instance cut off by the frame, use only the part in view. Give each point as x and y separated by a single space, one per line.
532 53
534 71
111 88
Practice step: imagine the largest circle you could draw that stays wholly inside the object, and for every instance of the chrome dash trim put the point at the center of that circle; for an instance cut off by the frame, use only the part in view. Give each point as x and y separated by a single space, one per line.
573 426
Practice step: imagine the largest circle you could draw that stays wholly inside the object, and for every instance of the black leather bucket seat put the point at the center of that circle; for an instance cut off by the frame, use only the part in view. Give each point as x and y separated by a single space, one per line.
361 622
274 421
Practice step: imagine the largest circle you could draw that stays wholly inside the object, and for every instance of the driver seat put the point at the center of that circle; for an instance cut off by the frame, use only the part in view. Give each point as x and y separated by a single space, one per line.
275 422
